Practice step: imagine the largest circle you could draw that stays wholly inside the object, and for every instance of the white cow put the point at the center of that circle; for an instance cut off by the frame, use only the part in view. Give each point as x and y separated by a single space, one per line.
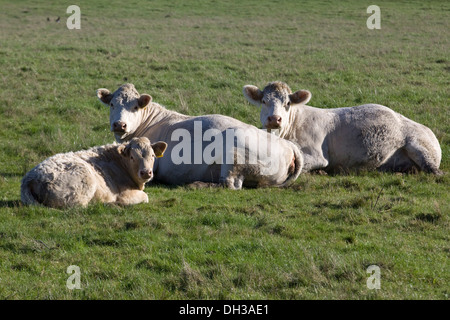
197 146
365 137
111 173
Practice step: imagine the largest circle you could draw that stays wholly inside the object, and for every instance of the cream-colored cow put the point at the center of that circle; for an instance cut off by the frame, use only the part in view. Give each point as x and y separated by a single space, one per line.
114 173
365 137
276 162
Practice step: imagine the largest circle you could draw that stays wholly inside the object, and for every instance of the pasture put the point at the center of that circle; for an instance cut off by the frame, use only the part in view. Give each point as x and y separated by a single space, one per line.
313 240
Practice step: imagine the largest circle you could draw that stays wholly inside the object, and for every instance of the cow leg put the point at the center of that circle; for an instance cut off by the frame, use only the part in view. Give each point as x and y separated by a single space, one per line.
128 197
398 161
229 178
313 162
234 182
422 157
238 182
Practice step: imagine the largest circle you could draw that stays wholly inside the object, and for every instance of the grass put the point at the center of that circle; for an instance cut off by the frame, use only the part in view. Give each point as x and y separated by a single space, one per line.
313 240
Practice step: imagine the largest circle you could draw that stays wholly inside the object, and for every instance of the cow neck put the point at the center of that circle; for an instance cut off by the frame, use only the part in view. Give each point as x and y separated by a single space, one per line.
287 131
154 115
113 154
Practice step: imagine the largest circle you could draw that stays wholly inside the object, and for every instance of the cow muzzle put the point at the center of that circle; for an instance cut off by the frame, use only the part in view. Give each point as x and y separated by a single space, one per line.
146 174
273 122
119 126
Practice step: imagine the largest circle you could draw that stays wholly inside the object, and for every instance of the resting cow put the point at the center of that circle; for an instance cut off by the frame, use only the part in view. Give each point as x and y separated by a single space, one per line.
365 137
197 146
111 173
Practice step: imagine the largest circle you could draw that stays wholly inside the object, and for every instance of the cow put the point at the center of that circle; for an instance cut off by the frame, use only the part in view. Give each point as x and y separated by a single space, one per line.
114 173
365 137
202 141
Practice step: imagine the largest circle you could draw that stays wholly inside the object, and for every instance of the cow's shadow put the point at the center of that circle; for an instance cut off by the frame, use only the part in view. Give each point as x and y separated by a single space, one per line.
10 203
157 184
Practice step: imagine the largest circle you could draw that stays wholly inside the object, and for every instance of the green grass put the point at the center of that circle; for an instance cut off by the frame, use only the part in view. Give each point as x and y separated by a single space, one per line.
313 240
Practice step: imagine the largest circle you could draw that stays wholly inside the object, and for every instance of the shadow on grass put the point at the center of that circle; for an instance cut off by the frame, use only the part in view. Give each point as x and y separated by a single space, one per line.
157 184
192 185
10 203
10 175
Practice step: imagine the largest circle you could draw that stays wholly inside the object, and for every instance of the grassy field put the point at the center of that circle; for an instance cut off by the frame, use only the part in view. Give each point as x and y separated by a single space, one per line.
313 240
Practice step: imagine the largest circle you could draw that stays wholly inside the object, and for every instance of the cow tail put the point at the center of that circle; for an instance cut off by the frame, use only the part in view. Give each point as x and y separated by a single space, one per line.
26 194
298 162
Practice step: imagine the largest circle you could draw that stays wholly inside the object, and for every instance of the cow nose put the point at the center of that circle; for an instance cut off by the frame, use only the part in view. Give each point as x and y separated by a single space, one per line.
119 126
274 120
146 173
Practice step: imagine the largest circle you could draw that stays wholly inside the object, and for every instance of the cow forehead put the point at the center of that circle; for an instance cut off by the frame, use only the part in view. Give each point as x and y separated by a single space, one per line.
277 90
142 147
274 95
125 95
143 153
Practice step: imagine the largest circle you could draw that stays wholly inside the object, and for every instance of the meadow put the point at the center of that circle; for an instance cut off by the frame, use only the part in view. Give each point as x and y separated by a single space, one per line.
313 240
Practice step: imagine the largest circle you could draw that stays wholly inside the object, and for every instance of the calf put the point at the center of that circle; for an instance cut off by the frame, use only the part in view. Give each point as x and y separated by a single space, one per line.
365 137
111 173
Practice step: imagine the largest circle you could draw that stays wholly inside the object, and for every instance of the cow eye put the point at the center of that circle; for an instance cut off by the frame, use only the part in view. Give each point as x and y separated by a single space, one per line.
112 105
263 101
131 157
136 108
289 104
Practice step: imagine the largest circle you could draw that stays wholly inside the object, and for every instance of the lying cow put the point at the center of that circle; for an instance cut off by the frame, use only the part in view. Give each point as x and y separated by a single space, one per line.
365 137
276 162
111 173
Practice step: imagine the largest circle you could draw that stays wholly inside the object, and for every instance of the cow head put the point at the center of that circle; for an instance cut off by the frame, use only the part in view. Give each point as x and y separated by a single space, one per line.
276 101
139 155
125 109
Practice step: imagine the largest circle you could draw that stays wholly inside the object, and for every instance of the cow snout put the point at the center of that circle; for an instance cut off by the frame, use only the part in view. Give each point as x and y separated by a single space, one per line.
274 121
119 126
146 174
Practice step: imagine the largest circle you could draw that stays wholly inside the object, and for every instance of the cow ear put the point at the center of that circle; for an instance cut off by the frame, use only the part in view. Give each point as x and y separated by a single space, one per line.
144 100
104 95
159 148
300 97
253 94
124 149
